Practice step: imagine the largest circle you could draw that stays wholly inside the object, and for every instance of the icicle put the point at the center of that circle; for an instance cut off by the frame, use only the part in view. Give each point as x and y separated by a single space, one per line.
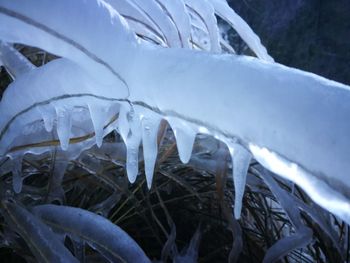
64 124
150 126
56 191
185 135
48 114
132 147
123 126
240 163
17 180
98 117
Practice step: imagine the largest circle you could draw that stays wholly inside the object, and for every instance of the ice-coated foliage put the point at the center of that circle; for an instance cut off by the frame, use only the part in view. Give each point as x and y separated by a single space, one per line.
42 241
99 232
126 65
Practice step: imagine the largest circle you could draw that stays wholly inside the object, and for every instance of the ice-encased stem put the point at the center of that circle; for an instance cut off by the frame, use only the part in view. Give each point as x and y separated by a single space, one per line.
17 180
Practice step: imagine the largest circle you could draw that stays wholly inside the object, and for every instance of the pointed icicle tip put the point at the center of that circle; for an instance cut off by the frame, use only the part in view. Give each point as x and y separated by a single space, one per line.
98 117
150 125
64 125
123 126
185 134
48 114
240 164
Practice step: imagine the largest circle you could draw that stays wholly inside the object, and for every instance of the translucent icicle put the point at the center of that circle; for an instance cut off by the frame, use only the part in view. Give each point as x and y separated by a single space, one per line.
150 126
240 163
98 115
132 147
185 135
17 180
64 124
49 115
123 126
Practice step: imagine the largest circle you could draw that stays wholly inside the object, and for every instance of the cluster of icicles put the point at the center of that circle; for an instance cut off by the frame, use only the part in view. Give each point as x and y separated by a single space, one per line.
89 119
115 74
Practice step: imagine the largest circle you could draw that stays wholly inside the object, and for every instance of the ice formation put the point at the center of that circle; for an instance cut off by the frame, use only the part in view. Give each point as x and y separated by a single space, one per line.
267 109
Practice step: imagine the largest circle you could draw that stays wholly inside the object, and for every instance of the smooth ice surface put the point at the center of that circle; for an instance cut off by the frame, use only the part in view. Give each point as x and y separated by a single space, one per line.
240 163
43 243
150 125
98 113
242 28
64 125
96 229
185 134
132 144
15 63
206 14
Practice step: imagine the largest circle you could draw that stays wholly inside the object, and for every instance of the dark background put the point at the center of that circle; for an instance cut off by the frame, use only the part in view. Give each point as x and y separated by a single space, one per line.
313 35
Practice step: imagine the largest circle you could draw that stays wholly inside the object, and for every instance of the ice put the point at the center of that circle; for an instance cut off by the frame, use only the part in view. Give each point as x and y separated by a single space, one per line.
287 244
123 126
206 13
132 143
168 29
15 63
292 114
185 134
17 180
43 243
150 125
98 113
240 163
177 12
138 20
242 28
64 125
56 192
100 232
49 116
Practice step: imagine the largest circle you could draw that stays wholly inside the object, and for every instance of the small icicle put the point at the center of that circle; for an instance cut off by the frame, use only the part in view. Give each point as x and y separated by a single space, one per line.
150 125
240 163
48 114
64 124
123 123
98 117
132 147
185 134
17 180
